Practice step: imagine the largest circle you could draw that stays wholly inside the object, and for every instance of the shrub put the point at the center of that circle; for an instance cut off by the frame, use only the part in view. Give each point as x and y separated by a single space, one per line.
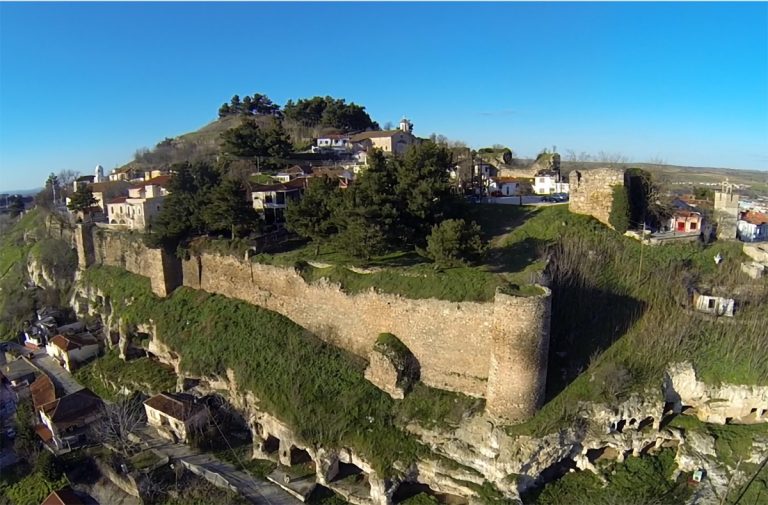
454 243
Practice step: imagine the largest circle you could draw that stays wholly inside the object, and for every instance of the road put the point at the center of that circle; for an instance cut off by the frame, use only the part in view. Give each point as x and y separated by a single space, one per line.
254 490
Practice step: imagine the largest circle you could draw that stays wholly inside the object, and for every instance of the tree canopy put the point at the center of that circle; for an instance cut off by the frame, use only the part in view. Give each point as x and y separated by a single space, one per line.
82 200
393 204
329 112
313 215
251 141
454 242
257 104
182 214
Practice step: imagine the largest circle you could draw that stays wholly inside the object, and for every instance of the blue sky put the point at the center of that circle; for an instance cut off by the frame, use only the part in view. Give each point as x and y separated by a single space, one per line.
82 84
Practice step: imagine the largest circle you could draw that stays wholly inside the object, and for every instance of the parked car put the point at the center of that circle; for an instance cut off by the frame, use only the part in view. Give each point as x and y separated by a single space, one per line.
550 199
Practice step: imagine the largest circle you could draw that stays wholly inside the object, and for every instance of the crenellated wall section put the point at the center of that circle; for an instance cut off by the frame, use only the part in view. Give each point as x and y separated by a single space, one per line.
496 350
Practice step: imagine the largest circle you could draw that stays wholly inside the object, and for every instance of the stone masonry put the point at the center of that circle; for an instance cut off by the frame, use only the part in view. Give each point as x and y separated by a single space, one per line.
592 191
494 349
98 247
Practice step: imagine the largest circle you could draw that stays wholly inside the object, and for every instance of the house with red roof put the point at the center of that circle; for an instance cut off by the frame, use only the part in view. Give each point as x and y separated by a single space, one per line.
65 420
175 415
752 226
143 202
64 496
73 350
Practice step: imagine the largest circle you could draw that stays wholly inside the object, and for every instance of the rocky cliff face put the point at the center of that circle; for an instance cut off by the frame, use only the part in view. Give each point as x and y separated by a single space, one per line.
479 450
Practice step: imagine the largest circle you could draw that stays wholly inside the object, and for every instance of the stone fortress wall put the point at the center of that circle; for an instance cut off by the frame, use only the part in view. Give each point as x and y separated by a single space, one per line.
592 191
496 350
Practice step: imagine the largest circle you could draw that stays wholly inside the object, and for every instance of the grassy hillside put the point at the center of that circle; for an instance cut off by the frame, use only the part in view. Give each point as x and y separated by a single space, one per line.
316 388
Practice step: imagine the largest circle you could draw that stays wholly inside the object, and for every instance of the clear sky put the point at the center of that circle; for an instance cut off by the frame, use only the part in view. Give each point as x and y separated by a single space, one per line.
82 84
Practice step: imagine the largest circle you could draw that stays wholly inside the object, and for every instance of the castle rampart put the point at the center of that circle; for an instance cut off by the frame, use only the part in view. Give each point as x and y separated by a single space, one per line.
496 350
591 191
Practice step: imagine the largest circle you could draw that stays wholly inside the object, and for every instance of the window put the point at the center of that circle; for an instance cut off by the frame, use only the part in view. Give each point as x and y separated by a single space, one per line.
268 198
693 226
711 303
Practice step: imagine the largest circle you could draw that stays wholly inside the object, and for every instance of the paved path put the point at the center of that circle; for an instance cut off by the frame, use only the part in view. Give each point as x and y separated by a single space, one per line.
61 378
254 490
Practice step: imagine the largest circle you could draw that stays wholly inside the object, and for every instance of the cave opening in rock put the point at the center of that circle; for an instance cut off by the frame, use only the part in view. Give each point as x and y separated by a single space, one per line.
353 480
299 456
648 421
410 489
270 445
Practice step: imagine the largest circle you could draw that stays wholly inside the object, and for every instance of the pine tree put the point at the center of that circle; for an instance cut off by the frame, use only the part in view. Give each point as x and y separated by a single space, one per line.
82 200
314 215
228 209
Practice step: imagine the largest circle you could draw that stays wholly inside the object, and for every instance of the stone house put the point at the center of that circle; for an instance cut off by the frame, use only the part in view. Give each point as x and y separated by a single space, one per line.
74 350
395 142
65 420
271 200
141 205
175 415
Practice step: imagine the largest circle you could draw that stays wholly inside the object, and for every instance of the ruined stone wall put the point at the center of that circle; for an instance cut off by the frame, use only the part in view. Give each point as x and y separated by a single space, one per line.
454 343
518 366
592 191
120 249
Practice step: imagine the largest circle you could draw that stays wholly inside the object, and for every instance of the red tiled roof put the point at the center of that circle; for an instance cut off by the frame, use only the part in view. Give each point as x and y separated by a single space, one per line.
44 433
73 342
64 496
176 405
757 218
119 199
160 180
43 392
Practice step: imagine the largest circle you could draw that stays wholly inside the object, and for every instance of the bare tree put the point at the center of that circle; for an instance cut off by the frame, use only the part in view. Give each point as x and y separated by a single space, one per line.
67 177
611 159
118 421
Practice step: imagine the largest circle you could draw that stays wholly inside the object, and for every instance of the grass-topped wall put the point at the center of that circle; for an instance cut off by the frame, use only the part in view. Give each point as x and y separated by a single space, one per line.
316 388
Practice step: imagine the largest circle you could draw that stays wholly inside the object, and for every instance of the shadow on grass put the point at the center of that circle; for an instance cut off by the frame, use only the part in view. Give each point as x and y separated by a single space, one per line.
516 256
585 321
496 220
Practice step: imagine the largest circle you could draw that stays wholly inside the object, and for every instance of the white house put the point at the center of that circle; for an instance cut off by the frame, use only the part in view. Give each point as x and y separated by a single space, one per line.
73 350
752 227
506 186
271 200
175 415
333 141
142 204
550 182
